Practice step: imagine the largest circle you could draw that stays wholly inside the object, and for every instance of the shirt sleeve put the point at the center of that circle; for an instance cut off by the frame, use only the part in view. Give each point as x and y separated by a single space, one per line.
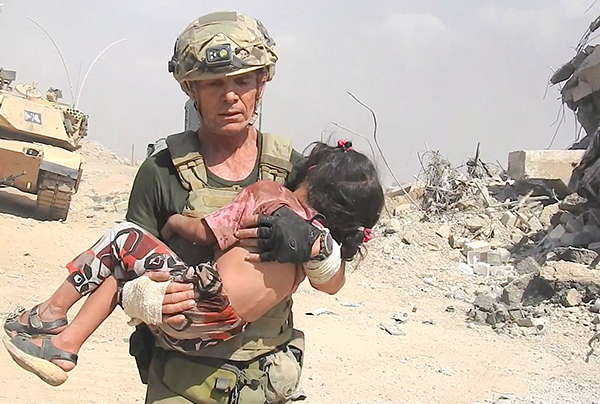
144 200
225 221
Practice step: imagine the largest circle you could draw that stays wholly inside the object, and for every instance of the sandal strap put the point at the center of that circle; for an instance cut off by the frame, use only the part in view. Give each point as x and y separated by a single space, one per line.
36 323
50 352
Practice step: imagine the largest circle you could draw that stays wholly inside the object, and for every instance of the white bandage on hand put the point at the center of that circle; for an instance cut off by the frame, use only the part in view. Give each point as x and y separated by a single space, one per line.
319 272
143 299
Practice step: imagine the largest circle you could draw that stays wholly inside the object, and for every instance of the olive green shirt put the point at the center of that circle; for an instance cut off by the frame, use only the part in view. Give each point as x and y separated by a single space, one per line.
157 194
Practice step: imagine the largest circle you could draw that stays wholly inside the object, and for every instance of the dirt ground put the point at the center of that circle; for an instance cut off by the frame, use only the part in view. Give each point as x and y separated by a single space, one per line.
349 359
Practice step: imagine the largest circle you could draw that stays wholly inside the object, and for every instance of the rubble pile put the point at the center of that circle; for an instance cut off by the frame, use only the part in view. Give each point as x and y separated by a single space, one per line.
532 242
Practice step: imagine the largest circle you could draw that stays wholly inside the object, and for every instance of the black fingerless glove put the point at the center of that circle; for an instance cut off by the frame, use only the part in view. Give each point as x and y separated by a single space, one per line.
285 237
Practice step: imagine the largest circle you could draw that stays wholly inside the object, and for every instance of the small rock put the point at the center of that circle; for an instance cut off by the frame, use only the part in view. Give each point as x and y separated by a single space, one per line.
429 322
392 329
409 238
400 317
596 319
457 242
450 309
319 312
596 306
474 224
572 298
485 303
443 231
528 266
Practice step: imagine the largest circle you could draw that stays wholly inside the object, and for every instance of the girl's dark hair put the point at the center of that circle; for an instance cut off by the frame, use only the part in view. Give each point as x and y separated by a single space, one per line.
343 185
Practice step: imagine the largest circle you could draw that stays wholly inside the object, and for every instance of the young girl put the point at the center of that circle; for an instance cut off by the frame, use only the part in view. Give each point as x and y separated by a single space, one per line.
338 184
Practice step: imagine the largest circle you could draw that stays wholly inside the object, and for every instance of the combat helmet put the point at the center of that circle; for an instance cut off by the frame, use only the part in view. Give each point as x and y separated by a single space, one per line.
222 44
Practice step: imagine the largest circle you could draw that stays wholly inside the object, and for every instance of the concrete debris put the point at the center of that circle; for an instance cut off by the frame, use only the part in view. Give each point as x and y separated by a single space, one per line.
595 306
551 167
392 329
443 231
524 240
528 266
572 298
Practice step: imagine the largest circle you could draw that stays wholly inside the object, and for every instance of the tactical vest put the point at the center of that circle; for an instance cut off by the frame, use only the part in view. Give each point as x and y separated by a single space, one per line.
275 327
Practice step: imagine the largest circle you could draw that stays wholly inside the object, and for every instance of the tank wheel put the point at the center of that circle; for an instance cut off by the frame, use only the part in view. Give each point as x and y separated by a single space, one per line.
53 203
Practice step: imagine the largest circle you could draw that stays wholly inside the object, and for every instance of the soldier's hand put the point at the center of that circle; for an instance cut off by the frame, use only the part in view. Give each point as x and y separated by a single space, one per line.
283 237
179 297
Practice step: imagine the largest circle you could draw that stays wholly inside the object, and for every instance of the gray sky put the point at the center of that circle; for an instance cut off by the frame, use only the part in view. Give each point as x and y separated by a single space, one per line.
438 73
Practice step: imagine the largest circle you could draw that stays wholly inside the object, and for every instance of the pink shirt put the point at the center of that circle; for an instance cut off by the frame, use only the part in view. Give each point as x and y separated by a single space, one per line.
263 197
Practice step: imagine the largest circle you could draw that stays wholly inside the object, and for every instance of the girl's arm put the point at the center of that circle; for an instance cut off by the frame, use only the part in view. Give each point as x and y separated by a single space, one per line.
194 229
333 285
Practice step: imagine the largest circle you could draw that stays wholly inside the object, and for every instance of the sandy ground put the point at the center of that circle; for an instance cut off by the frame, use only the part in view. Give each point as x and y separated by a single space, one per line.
348 360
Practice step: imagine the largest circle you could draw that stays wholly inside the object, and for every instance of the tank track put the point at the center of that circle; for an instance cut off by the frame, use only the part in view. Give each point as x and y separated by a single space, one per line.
53 198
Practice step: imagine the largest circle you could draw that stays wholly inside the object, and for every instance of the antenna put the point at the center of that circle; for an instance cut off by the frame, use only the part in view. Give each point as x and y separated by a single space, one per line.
59 53
92 65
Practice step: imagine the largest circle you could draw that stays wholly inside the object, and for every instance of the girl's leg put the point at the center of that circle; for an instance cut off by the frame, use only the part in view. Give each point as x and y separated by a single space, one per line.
51 314
125 252
94 311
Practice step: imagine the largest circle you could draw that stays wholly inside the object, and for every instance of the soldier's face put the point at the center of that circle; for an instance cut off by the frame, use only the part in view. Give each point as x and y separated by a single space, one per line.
227 104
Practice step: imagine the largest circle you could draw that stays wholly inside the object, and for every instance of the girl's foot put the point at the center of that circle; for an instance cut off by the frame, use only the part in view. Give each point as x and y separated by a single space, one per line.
30 322
41 357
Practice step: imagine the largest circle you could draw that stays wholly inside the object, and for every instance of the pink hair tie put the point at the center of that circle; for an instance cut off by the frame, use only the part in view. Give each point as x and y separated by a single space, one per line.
367 235
346 145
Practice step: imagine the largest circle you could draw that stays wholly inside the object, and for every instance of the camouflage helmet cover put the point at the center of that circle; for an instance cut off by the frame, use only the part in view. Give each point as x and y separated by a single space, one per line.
251 46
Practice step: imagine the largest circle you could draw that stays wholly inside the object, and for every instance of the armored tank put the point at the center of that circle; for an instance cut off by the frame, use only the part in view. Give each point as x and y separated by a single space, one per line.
39 137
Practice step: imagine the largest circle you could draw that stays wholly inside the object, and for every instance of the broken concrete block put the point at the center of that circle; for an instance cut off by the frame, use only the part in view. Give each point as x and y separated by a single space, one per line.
557 232
485 302
473 258
473 224
578 255
402 208
575 239
563 275
491 257
443 231
456 242
594 214
535 224
548 212
509 219
512 294
502 271
572 298
543 164
482 268
566 217
528 266
504 255
478 245
517 238
575 225
593 230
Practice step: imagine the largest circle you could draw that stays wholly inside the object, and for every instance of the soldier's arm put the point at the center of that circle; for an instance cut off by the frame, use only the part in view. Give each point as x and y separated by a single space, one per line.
144 201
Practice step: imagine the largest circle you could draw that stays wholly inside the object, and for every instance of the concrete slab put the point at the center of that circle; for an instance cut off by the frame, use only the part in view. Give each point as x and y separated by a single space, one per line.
543 164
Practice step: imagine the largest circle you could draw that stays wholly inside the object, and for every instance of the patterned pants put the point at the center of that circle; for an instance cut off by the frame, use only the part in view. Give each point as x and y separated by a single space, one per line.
127 251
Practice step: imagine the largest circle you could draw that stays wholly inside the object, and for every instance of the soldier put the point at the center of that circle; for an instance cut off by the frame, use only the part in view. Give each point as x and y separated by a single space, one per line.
222 62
